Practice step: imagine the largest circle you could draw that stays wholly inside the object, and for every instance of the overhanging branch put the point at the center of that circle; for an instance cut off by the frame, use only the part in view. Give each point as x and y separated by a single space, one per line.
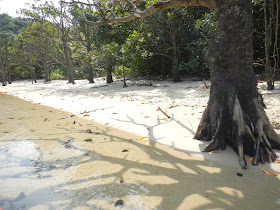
137 13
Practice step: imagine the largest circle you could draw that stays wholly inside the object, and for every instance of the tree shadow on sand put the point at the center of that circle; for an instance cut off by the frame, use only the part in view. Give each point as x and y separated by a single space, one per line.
144 176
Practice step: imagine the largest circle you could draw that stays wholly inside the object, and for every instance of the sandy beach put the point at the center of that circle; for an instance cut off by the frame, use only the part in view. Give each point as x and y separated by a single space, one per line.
119 147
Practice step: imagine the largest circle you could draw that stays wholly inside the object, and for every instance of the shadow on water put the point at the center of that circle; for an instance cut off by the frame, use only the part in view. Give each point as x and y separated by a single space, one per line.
87 166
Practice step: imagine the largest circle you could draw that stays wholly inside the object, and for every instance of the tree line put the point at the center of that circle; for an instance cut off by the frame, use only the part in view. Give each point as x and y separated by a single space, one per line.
55 42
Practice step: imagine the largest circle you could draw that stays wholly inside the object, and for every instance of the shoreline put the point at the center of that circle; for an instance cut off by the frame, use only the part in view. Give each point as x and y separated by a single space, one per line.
147 176
134 108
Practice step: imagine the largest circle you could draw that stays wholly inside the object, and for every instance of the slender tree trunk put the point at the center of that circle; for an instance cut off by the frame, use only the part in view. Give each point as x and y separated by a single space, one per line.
163 69
109 77
68 62
235 113
268 33
109 70
175 72
9 73
2 76
33 74
2 71
46 70
175 61
7 61
89 67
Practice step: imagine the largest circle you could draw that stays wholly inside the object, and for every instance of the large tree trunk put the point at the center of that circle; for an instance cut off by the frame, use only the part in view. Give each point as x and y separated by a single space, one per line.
235 113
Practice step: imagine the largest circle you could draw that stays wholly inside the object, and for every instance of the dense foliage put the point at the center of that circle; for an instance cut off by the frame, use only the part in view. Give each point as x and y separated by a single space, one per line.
54 42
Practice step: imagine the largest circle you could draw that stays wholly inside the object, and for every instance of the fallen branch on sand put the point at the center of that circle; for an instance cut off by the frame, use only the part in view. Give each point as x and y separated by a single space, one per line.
204 82
163 112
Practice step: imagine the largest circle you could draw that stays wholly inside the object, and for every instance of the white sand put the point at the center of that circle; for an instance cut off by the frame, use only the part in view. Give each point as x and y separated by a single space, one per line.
133 109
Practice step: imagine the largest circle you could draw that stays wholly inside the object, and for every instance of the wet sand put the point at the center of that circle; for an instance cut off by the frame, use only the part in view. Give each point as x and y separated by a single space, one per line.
53 160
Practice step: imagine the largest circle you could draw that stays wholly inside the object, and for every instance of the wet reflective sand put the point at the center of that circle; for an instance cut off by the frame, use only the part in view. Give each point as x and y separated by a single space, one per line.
50 159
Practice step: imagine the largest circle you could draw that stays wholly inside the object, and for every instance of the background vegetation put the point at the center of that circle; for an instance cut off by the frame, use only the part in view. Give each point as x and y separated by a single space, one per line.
54 42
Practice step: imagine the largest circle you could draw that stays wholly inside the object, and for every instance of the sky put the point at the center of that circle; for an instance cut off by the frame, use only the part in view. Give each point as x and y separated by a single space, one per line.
11 6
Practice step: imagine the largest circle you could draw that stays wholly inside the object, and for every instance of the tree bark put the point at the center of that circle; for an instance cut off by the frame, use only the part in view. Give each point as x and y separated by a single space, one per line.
2 70
268 33
46 68
235 113
3 77
7 61
68 62
109 70
89 67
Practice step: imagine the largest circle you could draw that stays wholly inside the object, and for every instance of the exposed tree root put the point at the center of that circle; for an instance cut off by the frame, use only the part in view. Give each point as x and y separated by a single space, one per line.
248 132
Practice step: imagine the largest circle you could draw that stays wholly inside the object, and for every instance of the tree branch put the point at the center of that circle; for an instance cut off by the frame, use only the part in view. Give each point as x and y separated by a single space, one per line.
137 13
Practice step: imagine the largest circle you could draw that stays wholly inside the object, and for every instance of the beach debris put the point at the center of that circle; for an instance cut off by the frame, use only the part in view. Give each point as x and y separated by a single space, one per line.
212 152
119 203
121 181
73 127
125 150
251 159
268 172
239 174
88 140
74 122
72 115
277 161
86 115
145 138
163 112
128 140
164 118
88 131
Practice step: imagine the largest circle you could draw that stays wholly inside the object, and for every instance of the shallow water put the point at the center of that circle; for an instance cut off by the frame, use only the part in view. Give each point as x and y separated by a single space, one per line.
22 184
45 162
